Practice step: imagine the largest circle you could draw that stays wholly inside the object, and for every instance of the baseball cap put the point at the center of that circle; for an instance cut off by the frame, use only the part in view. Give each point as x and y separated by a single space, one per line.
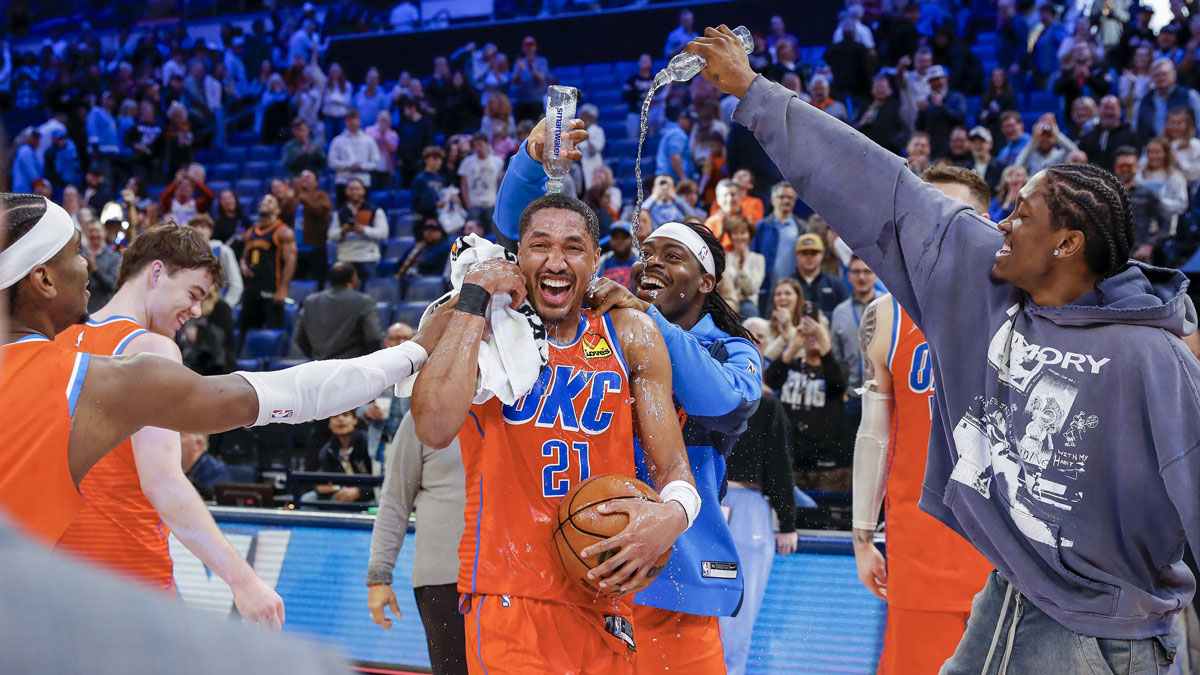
622 226
58 132
935 71
980 132
809 242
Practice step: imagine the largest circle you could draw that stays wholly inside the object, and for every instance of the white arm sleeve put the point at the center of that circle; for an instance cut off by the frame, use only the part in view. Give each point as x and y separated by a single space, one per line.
325 388
870 460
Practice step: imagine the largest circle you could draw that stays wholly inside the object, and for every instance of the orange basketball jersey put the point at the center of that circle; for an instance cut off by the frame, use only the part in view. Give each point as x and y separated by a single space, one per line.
117 528
39 385
521 459
930 567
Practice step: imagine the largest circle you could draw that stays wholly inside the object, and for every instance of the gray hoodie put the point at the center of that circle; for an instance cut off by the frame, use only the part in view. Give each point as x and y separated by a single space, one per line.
1063 439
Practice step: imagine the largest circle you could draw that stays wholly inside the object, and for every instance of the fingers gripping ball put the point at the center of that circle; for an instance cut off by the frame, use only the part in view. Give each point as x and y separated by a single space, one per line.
580 525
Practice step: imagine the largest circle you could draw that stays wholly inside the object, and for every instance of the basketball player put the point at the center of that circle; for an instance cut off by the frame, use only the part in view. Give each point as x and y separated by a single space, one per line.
931 573
1066 415
717 376
268 263
608 378
138 494
68 409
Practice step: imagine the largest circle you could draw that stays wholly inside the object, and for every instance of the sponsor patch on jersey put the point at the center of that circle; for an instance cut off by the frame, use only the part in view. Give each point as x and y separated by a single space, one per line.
506 601
595 347
712 569
282 414
619 627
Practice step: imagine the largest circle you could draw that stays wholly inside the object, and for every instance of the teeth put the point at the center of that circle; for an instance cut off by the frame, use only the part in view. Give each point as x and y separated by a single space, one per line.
649 281
556 283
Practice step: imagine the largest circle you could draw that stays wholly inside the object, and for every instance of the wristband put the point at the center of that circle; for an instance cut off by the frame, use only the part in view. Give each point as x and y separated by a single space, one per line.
473 299
685 494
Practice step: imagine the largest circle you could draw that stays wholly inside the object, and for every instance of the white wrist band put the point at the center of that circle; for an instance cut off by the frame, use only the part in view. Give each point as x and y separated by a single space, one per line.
685 494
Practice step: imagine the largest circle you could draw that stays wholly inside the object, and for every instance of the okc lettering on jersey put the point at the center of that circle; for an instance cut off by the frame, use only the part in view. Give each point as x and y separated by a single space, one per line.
552 401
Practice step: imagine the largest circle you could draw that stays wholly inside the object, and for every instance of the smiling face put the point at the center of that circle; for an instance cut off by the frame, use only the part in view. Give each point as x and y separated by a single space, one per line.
172 299
1156 155
557 257
1027 255
785 298
671 278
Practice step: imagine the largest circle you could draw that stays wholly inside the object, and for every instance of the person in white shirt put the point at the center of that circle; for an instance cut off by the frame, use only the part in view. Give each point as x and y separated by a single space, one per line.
353 154
593 146
358 226
1180 130
480 172
862 34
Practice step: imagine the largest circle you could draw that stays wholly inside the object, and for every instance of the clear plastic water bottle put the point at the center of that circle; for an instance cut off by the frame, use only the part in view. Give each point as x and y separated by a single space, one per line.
687 65
560 110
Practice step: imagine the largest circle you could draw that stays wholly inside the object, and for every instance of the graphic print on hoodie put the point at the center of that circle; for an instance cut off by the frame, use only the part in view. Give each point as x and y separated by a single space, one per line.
1065 442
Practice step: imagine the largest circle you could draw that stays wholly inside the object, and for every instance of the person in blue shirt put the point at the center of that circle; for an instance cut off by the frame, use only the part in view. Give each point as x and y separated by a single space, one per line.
775 237
1012 127
717 379
62 161
674 156
103 138
27 166
617 262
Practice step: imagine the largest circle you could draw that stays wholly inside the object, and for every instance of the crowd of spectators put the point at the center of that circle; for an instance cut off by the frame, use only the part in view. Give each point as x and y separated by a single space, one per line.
129 120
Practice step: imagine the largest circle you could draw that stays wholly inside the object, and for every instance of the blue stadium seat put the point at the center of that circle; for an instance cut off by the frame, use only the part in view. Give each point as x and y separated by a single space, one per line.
281 363
249 187
249 204
383 290
331 252
264 153
235 155
613 128
400 223
597 83
613 111
623 69
385 313
387 268
262 344
424 289
402 199
381 198
300 289
291 311
207 157
568 74
396 249
409 313
249 364
622 147
259 170
605 96
225 171
245 138
594 69
218 186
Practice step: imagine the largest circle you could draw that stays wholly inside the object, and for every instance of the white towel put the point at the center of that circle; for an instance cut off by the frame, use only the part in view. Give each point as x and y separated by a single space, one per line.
513 356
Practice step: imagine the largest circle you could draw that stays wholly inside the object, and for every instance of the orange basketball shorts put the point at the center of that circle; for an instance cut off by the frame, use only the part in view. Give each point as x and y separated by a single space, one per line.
524 636
672 642
918 642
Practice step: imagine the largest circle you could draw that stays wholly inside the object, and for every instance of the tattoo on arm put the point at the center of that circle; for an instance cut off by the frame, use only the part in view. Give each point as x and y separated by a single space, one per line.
866 333
863 537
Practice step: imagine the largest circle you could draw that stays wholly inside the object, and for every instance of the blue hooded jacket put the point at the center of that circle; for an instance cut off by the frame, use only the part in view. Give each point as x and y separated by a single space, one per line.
1064 439
717 382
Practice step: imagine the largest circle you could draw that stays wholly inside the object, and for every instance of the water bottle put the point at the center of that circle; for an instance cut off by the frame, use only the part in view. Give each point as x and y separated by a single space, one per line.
687 65
560 110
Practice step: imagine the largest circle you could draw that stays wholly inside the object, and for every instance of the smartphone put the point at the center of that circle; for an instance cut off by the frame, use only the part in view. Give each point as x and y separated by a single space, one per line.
810 310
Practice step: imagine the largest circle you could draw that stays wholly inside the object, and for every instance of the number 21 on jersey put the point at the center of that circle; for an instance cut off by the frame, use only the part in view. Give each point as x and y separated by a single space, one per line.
557 475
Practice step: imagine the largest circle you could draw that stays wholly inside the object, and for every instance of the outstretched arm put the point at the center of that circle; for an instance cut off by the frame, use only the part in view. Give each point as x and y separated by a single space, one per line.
897 223
120 395
653 526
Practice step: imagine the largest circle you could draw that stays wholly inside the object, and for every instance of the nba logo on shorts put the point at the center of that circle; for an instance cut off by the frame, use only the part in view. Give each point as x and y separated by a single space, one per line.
282 414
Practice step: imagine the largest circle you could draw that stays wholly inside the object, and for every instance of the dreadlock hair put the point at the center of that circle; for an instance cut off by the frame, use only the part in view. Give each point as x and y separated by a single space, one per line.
724 317
23 212
1087 198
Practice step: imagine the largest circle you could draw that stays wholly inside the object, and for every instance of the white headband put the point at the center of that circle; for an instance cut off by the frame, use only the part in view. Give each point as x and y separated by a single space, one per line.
688 237
51 233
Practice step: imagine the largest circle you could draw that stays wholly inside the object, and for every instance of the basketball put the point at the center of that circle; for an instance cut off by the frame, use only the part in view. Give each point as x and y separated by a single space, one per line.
580 524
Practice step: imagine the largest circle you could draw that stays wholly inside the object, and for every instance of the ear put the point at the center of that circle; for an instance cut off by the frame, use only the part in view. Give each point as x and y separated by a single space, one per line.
707 283
41 282
1071 243
156 271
